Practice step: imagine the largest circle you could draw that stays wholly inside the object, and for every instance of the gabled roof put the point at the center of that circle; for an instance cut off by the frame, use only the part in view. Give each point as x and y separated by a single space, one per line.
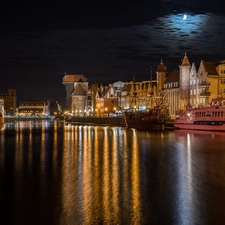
74 78
79 90
173 77
210 68
196 66
105 91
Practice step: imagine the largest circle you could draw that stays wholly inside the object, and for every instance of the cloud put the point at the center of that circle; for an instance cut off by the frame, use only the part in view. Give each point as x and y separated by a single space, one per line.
107 53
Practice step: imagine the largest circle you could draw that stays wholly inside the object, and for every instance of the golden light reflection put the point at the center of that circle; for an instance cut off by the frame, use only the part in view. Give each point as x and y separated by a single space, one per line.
30 148
55 147
115 176
42 148
69 173
97 176
95 185
126 176
87 177
135 182
2 149
106 180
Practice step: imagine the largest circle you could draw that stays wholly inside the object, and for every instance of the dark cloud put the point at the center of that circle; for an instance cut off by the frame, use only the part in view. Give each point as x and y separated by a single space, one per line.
34 59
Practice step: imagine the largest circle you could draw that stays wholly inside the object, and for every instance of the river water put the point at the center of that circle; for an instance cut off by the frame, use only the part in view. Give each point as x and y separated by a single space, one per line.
56 174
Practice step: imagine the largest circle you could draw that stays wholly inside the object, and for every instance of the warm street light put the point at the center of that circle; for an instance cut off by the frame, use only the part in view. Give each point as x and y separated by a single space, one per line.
106 111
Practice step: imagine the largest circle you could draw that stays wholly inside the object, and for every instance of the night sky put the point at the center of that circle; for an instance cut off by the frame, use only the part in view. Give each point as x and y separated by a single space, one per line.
104 41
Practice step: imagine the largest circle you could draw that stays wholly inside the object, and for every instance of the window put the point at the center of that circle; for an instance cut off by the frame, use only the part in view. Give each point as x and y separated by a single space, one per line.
222 80
222 71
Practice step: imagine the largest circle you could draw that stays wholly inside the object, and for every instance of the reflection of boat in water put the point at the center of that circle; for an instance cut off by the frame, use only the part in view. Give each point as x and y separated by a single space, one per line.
210 118
155 118
200 133
182 132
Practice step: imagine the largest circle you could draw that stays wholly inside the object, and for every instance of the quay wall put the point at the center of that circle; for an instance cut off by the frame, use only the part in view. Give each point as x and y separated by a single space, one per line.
111 121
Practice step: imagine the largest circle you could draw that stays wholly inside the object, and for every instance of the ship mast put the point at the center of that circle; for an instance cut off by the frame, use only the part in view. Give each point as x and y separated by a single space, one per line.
134 98
151 92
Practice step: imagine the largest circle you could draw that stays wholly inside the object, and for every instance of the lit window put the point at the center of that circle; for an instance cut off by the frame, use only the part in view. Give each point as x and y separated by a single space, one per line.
222 80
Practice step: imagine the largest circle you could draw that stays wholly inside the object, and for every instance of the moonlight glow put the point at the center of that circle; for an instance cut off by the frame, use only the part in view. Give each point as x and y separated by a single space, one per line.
185 17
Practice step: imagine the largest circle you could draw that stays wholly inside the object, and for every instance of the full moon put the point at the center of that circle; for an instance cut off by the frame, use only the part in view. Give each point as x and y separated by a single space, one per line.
185 17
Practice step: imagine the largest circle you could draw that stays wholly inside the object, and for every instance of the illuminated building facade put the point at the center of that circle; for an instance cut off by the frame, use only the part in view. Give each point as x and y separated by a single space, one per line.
34 108
189 86
172 91
76 93
9 101
207 81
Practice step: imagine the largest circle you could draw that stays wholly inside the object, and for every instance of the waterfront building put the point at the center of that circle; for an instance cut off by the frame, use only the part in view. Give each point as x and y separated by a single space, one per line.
194 90
139 95
108 98
10 99
176 87
207 81
34 108
192 85
76 92
184 83
172 90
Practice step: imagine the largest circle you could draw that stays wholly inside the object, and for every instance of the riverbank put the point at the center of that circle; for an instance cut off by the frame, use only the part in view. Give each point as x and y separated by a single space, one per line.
107 121
113 121
13 119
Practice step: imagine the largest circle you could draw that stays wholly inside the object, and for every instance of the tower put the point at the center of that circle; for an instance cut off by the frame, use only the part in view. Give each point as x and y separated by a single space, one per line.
71 81
161 77
184 82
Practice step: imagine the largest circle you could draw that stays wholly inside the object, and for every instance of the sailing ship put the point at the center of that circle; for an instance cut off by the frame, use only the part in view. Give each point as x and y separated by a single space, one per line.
153 118
209 118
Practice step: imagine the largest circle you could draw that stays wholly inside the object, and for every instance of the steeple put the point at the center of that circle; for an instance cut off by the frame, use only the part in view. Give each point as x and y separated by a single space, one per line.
185 61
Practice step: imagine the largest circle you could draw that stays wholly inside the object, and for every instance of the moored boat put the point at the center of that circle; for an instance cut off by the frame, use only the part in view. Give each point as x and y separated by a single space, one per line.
209 118
153 119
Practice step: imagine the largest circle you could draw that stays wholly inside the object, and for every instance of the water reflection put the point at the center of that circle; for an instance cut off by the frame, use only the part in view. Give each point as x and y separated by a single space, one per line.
56 174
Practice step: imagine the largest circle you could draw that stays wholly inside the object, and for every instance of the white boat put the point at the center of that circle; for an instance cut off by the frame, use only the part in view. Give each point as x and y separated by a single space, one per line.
209 118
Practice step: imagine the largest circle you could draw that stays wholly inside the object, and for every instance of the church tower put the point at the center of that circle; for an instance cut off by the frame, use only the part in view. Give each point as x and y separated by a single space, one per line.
161 77
184 83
